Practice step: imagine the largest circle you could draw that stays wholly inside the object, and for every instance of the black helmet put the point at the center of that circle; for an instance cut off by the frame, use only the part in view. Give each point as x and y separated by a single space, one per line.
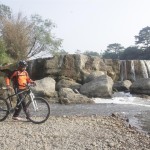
22 63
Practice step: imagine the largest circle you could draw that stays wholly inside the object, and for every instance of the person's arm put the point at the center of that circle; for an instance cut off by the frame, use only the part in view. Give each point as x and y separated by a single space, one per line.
29 80
7 80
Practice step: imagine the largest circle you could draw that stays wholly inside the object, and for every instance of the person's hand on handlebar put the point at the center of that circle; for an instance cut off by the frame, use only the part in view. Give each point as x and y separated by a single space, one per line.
33 83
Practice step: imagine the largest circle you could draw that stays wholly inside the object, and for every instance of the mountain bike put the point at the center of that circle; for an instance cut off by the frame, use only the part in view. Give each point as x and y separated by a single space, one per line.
37 107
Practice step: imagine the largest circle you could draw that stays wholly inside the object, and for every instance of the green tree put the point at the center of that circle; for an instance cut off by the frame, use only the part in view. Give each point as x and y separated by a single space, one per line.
131 53
25 37
113 51
42 39
109 55
143 38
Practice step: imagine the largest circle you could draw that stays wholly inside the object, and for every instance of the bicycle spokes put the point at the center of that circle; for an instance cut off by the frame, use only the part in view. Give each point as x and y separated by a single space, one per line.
4 109
39 110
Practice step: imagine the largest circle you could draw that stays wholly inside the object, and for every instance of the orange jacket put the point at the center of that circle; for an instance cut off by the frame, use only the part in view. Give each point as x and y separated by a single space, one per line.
22 78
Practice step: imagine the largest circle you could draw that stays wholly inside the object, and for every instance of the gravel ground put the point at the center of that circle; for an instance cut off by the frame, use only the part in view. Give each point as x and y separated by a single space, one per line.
72 133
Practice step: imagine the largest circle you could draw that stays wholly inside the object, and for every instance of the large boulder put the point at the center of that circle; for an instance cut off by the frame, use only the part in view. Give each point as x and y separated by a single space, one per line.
89 76
141 86
122 85
67 96
67 83
45 87
99 87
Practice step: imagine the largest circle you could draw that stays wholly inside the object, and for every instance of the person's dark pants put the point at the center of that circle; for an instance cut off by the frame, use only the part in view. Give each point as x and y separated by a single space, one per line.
21 105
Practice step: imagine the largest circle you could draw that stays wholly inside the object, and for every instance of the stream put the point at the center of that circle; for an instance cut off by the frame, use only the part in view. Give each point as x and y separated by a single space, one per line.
136 109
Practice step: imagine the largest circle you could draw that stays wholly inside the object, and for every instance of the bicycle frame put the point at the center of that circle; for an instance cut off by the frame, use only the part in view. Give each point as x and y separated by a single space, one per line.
28 92
36 109
15 94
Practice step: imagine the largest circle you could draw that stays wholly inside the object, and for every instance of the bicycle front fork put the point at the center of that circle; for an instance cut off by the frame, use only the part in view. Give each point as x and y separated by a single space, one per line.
33 101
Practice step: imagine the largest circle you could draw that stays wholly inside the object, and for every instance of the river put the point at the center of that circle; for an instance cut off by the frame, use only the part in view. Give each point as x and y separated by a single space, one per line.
136 109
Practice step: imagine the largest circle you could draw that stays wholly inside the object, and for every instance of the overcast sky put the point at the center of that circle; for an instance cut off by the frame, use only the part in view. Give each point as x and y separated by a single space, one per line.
89 24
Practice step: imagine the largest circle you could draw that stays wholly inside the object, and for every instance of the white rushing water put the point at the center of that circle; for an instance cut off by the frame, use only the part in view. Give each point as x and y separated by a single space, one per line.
124 98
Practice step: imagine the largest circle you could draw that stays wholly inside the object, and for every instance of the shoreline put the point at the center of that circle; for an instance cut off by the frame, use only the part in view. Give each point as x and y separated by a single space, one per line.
72 132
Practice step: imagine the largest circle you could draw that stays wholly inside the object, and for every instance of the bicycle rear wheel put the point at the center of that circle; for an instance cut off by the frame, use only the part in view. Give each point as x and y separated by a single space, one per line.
4 109
39 110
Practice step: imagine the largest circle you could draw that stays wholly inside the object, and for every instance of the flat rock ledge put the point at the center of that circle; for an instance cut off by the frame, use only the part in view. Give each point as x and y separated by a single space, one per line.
72 133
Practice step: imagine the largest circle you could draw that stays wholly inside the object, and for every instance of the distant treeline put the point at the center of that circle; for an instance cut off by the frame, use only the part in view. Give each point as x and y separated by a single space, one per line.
141 49
130 53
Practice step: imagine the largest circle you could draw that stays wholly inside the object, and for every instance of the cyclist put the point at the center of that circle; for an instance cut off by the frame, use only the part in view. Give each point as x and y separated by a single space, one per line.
20 79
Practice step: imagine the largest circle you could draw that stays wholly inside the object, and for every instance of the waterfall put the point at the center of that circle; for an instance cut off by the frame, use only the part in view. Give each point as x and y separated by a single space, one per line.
60 61
123 70
147 64
132 71
144 69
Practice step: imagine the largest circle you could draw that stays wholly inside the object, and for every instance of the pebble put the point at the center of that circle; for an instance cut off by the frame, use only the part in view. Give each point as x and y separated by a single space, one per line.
72 132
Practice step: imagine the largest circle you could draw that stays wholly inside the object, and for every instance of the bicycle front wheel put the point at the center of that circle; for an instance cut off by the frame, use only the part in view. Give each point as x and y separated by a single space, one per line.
4 109
39 110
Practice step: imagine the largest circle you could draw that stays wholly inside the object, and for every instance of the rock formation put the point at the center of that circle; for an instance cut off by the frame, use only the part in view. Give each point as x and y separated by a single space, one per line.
88 75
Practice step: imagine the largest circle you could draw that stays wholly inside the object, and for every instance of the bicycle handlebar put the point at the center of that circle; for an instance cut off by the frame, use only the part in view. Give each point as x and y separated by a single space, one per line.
27 85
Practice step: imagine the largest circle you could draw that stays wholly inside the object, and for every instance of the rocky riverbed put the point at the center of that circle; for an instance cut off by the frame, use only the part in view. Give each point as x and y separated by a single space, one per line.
72 133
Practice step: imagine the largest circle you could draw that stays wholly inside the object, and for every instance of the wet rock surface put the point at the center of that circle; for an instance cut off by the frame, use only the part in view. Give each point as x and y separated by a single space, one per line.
72 133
